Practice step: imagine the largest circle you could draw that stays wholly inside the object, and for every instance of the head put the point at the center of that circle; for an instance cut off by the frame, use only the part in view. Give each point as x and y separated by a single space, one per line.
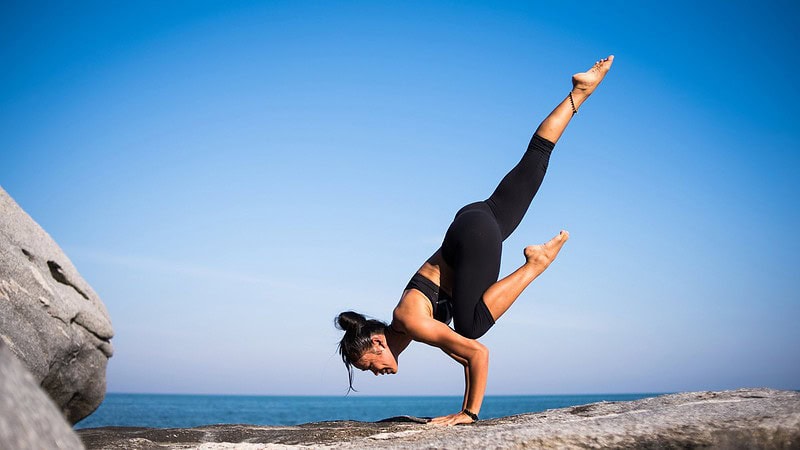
364 345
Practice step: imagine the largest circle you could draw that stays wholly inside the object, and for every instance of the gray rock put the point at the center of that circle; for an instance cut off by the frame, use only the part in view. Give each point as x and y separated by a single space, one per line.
741 419
49 316
28 417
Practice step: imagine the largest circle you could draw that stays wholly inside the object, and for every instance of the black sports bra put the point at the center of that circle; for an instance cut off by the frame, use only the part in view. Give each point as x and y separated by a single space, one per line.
441 302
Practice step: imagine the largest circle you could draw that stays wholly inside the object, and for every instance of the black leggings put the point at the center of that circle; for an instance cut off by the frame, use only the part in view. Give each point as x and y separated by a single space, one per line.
474 241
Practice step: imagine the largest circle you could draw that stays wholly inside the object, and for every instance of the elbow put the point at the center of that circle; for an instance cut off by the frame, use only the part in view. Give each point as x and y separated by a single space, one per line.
480 354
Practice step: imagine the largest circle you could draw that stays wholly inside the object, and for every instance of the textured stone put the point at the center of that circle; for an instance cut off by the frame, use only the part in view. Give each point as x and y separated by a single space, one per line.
49 316
28 417
741 419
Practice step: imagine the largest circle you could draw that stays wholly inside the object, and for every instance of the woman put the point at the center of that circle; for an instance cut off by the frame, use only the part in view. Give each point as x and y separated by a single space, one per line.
460 281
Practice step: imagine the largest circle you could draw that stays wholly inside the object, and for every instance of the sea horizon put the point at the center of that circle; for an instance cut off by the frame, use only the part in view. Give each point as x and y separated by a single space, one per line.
164 410
357 394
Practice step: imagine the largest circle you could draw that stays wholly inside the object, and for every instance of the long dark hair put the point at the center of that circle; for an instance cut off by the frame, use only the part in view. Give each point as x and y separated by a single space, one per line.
357 339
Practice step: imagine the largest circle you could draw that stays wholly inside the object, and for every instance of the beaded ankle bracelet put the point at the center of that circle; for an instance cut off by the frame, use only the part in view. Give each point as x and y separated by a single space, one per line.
572 102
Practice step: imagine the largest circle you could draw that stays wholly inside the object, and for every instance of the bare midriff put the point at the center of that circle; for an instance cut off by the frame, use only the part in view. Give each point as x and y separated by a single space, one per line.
413 302
436 270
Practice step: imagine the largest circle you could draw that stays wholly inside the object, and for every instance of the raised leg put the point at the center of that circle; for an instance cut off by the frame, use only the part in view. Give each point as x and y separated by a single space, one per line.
499 297
473 243
513 196
583 84
502 294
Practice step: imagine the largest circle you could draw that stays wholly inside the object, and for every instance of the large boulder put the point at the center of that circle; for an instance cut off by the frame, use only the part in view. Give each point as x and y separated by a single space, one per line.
29 420
49 316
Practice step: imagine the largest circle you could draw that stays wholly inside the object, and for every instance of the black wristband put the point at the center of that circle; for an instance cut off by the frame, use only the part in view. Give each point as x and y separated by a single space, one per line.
471 414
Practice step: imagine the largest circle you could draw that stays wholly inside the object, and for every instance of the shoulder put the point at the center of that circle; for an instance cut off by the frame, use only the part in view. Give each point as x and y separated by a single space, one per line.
413 317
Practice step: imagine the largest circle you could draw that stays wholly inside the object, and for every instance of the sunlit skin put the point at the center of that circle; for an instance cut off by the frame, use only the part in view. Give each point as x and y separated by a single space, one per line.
379 359
412 319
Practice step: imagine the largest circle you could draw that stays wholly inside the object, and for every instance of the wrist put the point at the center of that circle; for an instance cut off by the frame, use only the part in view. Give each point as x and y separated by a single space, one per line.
470 414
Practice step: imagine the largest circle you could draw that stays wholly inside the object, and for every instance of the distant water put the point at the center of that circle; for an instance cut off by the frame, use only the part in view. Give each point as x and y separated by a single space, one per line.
183 411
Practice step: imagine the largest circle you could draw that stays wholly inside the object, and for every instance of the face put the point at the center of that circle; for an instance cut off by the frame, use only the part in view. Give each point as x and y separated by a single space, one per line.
378 359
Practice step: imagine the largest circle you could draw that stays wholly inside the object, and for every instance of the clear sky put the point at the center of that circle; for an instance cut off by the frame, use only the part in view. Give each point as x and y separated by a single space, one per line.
229 176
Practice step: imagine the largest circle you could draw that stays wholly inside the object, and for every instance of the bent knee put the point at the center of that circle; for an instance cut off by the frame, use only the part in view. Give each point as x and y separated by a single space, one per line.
471 332
479 324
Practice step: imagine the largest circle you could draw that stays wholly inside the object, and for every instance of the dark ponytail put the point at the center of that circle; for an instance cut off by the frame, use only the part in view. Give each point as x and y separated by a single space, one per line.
357 339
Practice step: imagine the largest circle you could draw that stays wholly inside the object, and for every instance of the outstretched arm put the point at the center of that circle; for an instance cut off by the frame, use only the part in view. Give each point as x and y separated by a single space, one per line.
469 352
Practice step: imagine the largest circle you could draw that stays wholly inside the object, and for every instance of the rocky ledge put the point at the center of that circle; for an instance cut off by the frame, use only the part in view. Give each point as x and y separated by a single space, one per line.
740 419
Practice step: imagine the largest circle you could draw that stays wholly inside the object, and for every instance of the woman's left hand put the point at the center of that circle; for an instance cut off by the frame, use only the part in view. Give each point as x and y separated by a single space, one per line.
453 419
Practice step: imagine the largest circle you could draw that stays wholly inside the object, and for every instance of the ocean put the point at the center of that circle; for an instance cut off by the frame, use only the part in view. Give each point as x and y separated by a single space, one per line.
183 411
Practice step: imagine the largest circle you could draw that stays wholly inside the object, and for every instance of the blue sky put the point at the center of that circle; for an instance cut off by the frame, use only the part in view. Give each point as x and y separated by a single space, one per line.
229 176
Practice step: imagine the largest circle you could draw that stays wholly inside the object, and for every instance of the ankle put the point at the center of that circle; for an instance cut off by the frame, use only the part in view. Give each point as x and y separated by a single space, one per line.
536 259
578 96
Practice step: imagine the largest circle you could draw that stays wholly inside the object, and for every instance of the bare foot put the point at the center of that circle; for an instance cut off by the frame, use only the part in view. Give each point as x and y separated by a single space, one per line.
541 256
586 82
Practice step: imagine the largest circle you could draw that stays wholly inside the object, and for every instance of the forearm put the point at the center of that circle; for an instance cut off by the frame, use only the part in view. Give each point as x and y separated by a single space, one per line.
476 373
466 386
473 355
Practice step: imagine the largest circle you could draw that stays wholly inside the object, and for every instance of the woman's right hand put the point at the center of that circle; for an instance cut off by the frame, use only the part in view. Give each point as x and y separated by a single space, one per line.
453 419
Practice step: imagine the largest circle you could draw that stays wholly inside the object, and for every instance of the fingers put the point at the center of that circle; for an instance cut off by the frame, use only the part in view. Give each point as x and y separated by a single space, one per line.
453 419
444 420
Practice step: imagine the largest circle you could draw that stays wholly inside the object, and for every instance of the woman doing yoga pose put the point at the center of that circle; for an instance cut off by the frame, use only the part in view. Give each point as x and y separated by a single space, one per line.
460 281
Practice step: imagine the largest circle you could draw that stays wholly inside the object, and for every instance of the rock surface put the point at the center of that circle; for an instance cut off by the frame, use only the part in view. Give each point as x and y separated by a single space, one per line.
49 316
741 419
28 417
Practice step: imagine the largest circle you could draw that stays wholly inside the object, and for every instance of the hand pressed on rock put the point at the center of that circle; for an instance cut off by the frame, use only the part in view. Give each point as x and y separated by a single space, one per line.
453 419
